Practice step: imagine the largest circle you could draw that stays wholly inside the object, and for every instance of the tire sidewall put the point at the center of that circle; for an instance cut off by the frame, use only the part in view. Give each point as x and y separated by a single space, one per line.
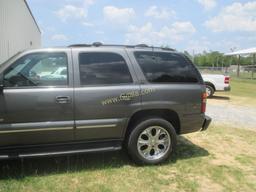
133 139
211 90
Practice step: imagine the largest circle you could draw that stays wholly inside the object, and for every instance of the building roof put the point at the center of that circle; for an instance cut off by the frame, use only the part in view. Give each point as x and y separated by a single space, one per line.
243 52
32 15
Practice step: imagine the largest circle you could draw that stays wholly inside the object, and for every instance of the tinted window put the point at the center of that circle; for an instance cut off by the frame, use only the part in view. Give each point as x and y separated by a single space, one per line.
38 69
103 68
165 67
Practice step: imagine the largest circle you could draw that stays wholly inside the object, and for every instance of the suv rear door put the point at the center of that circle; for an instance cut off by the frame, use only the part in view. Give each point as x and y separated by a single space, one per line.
106 92
37 103
177 84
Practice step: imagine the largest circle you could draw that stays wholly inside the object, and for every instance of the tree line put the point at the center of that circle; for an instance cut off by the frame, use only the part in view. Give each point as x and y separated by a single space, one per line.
217 59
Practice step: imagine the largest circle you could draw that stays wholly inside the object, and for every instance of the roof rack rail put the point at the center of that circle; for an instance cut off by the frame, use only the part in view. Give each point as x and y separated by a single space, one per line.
97 44
80 45
117 45
167 49
141 45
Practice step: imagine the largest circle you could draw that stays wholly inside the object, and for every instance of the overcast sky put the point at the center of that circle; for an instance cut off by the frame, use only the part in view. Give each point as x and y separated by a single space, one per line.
182 24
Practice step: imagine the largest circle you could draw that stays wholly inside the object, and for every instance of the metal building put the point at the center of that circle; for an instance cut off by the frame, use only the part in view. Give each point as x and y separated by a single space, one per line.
18 28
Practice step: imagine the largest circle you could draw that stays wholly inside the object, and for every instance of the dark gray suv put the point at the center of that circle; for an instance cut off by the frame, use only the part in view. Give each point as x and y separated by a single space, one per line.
88 98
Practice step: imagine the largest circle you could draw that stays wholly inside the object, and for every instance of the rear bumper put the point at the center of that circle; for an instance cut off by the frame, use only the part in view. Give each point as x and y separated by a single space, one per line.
194 123
206 123
227 88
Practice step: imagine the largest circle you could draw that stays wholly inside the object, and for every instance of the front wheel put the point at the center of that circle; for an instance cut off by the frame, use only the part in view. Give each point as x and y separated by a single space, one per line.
152 141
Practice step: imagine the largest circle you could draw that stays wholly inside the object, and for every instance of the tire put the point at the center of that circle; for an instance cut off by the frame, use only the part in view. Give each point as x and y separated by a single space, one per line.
139 136
209 91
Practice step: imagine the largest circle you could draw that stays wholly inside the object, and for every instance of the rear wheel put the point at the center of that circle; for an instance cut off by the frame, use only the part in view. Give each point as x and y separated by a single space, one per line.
152 141
209 91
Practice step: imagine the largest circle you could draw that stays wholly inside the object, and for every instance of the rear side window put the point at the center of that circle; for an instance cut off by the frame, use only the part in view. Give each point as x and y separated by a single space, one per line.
103 68
164 67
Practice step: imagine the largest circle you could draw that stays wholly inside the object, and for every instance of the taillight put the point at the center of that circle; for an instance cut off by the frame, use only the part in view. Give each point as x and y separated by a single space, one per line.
226 80
203 102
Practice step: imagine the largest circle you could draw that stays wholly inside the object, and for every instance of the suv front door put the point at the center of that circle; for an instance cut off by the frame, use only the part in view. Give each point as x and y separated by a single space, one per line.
106 93
37 103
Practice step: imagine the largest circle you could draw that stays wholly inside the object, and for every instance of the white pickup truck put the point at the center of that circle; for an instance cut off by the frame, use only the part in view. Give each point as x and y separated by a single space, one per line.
216 83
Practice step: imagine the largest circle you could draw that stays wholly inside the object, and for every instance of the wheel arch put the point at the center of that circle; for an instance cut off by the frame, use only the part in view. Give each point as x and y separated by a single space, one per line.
210 84
167 114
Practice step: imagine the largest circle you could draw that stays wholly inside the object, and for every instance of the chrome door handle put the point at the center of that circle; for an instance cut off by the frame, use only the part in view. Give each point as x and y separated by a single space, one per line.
63 99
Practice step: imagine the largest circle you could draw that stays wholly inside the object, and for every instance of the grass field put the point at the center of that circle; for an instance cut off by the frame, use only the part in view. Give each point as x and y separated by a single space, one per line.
243 87
223 158
220 159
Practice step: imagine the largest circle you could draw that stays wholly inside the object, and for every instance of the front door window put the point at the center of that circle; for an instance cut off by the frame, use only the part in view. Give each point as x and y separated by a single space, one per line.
38 69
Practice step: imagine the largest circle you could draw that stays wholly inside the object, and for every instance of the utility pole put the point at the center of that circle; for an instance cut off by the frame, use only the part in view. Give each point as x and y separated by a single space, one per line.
254 64
238 65
193 52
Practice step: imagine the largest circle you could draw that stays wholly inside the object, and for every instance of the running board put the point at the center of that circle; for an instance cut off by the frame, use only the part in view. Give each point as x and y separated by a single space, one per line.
56 152
70 152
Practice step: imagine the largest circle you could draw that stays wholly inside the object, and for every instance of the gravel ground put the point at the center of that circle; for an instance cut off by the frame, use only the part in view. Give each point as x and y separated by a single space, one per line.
223 111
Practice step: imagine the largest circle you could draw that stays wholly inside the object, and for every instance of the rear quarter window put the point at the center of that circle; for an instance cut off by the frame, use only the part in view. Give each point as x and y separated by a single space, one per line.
165 67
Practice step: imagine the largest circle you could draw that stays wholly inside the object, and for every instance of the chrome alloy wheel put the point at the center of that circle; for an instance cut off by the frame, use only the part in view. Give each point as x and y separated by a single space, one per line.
153 143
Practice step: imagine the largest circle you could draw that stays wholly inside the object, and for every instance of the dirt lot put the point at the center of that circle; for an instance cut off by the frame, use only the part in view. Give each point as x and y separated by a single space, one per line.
233 111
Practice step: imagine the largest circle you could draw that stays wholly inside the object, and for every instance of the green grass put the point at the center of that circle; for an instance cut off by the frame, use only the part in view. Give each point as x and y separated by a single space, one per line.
244 87
220 159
